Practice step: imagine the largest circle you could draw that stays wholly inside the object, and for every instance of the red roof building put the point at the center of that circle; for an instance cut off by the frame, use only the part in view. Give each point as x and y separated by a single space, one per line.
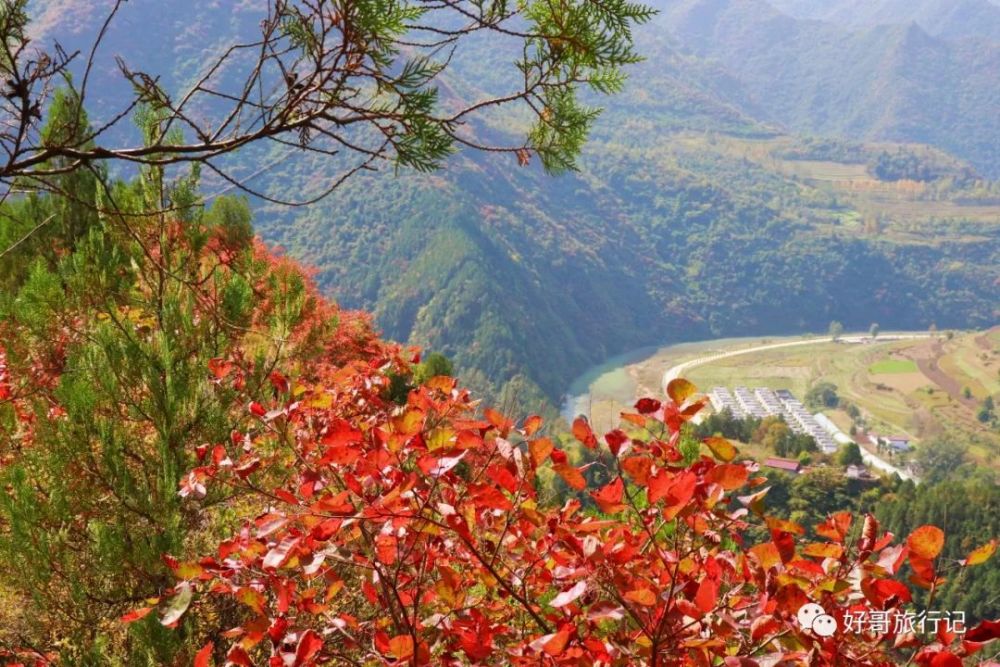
788 465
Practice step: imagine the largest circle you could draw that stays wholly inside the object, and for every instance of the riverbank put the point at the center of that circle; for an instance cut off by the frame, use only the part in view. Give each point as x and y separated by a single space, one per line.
913 384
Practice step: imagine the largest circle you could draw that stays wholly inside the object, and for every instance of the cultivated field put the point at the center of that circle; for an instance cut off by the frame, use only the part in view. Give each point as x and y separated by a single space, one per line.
904 210
921 388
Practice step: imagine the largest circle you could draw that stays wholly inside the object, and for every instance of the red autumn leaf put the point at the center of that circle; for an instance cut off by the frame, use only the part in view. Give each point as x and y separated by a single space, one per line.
891 559
835 527
926 542
615 440
257 409
501 423
583 433
385 549
635 419
251 598
203 658
237 656
220 368
643 596
490 497
638 468
556 643
570 595
659 486
776 523
984 632
945 659
677 490
785 543
688 608
341 433
286 496
248 467
531 425
609 497
923 570
728 475
766 555
790 598
540 450
342 455
442 383
869 533
707 595
605 610
135 615
880 591
694 407
401 647
571 475
504 477
647 406
823 550
310 644
279 382
764 626
277 556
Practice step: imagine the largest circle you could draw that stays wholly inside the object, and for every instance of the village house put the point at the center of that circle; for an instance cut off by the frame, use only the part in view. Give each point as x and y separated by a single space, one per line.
788 465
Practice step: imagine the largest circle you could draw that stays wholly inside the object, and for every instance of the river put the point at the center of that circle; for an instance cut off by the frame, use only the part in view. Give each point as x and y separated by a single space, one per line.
610 380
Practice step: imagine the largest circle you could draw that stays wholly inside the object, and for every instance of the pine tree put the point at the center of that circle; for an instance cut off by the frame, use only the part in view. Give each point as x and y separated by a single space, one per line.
110 342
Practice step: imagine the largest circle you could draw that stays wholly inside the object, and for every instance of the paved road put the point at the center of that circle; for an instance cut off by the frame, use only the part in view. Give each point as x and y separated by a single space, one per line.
679 369
869 458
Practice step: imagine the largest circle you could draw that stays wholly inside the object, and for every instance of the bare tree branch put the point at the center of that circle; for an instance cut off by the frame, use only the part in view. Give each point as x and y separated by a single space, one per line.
331 77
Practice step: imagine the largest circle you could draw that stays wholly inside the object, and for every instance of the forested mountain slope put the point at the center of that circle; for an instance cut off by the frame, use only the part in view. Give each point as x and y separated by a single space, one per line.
890 82
668 232
683 222
511 272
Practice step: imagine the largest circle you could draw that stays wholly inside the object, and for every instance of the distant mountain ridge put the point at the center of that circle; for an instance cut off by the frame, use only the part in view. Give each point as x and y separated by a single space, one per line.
949 19
887 82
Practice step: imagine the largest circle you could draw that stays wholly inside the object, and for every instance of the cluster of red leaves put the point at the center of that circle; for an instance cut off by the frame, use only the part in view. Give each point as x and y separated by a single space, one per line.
36 379
26 658
413 534
351 336
21 432
5 389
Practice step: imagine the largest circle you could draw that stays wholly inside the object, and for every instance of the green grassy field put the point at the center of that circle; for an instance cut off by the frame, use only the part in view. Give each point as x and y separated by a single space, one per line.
893 366
885 380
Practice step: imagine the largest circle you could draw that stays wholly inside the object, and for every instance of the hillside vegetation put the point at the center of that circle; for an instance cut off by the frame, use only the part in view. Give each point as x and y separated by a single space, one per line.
206 461
698 211
713 235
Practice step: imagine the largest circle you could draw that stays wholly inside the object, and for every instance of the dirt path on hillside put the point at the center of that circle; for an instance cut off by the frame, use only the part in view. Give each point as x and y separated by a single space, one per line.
926 357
